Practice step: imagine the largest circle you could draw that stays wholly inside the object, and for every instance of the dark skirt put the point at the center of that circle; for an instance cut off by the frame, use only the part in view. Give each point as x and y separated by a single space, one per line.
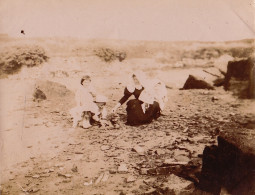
136 116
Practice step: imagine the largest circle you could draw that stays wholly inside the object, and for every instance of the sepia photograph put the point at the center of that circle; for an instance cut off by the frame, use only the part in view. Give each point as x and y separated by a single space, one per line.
127 97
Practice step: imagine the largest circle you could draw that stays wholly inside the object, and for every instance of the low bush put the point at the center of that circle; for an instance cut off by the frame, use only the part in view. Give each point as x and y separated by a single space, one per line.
108 55
12 59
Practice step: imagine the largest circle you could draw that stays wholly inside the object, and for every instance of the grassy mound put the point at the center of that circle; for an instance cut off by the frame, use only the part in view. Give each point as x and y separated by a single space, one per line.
13 58
108 55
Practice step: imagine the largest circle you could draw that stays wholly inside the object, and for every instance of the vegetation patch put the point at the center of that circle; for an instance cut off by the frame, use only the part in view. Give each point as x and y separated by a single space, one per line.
13 58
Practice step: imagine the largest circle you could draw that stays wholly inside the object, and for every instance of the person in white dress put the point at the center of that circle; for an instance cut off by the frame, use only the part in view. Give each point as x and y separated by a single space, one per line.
85 104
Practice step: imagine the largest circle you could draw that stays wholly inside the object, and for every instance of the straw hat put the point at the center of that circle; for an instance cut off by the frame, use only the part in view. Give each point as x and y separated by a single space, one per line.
101 99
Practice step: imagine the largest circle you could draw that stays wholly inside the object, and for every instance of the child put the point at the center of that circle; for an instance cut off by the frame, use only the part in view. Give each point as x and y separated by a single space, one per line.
86 106
100 116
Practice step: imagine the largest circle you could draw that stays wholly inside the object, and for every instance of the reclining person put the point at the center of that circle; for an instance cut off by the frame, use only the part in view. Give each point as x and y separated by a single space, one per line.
136 114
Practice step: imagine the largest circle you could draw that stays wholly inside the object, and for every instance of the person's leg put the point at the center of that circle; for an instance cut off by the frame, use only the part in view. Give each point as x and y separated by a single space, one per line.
76 115
86 119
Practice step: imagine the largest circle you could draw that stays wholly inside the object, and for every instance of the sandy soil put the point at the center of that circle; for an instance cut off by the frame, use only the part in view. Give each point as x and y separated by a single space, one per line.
41 154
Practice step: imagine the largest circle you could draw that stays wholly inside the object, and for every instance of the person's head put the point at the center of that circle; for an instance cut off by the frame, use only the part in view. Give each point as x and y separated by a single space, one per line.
85 80
135 79
101 101
139 78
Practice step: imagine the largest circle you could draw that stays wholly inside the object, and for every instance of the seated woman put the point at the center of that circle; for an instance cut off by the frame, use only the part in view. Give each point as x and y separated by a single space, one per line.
136 115
86 107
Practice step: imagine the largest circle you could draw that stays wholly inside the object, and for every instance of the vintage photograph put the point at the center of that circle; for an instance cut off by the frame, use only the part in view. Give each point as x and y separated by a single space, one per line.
127 97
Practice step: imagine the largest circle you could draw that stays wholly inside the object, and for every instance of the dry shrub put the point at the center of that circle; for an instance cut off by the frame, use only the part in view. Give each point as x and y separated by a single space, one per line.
241 52
203 53
12 59
109 55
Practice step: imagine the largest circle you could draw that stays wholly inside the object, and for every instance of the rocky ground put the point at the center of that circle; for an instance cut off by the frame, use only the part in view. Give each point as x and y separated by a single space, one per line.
43 155
164 156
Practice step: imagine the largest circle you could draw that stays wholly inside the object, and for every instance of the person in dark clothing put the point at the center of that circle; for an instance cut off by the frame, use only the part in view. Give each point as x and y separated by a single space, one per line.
139 111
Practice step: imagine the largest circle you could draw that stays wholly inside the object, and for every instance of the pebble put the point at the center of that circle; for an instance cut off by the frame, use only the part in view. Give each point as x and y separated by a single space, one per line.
88 183
68 180
59 165
74 169
45 175
99 178
122 168
112 171
185 130
143 171
33 190
78 152
130 179
171 162
106 176
35 176
139 150
105 147
182 158
68 175
160 152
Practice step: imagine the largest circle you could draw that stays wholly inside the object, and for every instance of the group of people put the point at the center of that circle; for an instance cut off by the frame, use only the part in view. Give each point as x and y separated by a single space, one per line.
150 96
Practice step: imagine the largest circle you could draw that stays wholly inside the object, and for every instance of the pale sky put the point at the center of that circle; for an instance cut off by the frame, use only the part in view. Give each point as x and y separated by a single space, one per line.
163 20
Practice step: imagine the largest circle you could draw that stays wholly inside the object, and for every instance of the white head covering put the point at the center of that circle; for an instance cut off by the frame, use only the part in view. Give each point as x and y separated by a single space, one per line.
146 96
141 77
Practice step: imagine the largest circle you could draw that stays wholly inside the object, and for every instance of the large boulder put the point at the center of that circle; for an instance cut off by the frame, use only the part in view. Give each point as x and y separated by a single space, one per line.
196 83
230 165
58 95
240 78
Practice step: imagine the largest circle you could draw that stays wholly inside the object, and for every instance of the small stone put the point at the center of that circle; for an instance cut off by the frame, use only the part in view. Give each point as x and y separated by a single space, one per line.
122 168
112 171
106 176
215 98
171 162
139 150
158 161
68 175
78 152
35 176
105 147
182 158
130 179
88 183
160 152
74 169
29 146
59 165
98 180
33 190
68 180
45 175
185 130
12 177
143 171
51 170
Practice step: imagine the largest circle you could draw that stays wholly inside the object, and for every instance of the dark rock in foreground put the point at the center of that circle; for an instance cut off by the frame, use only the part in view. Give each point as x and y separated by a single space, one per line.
196 83
231 164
